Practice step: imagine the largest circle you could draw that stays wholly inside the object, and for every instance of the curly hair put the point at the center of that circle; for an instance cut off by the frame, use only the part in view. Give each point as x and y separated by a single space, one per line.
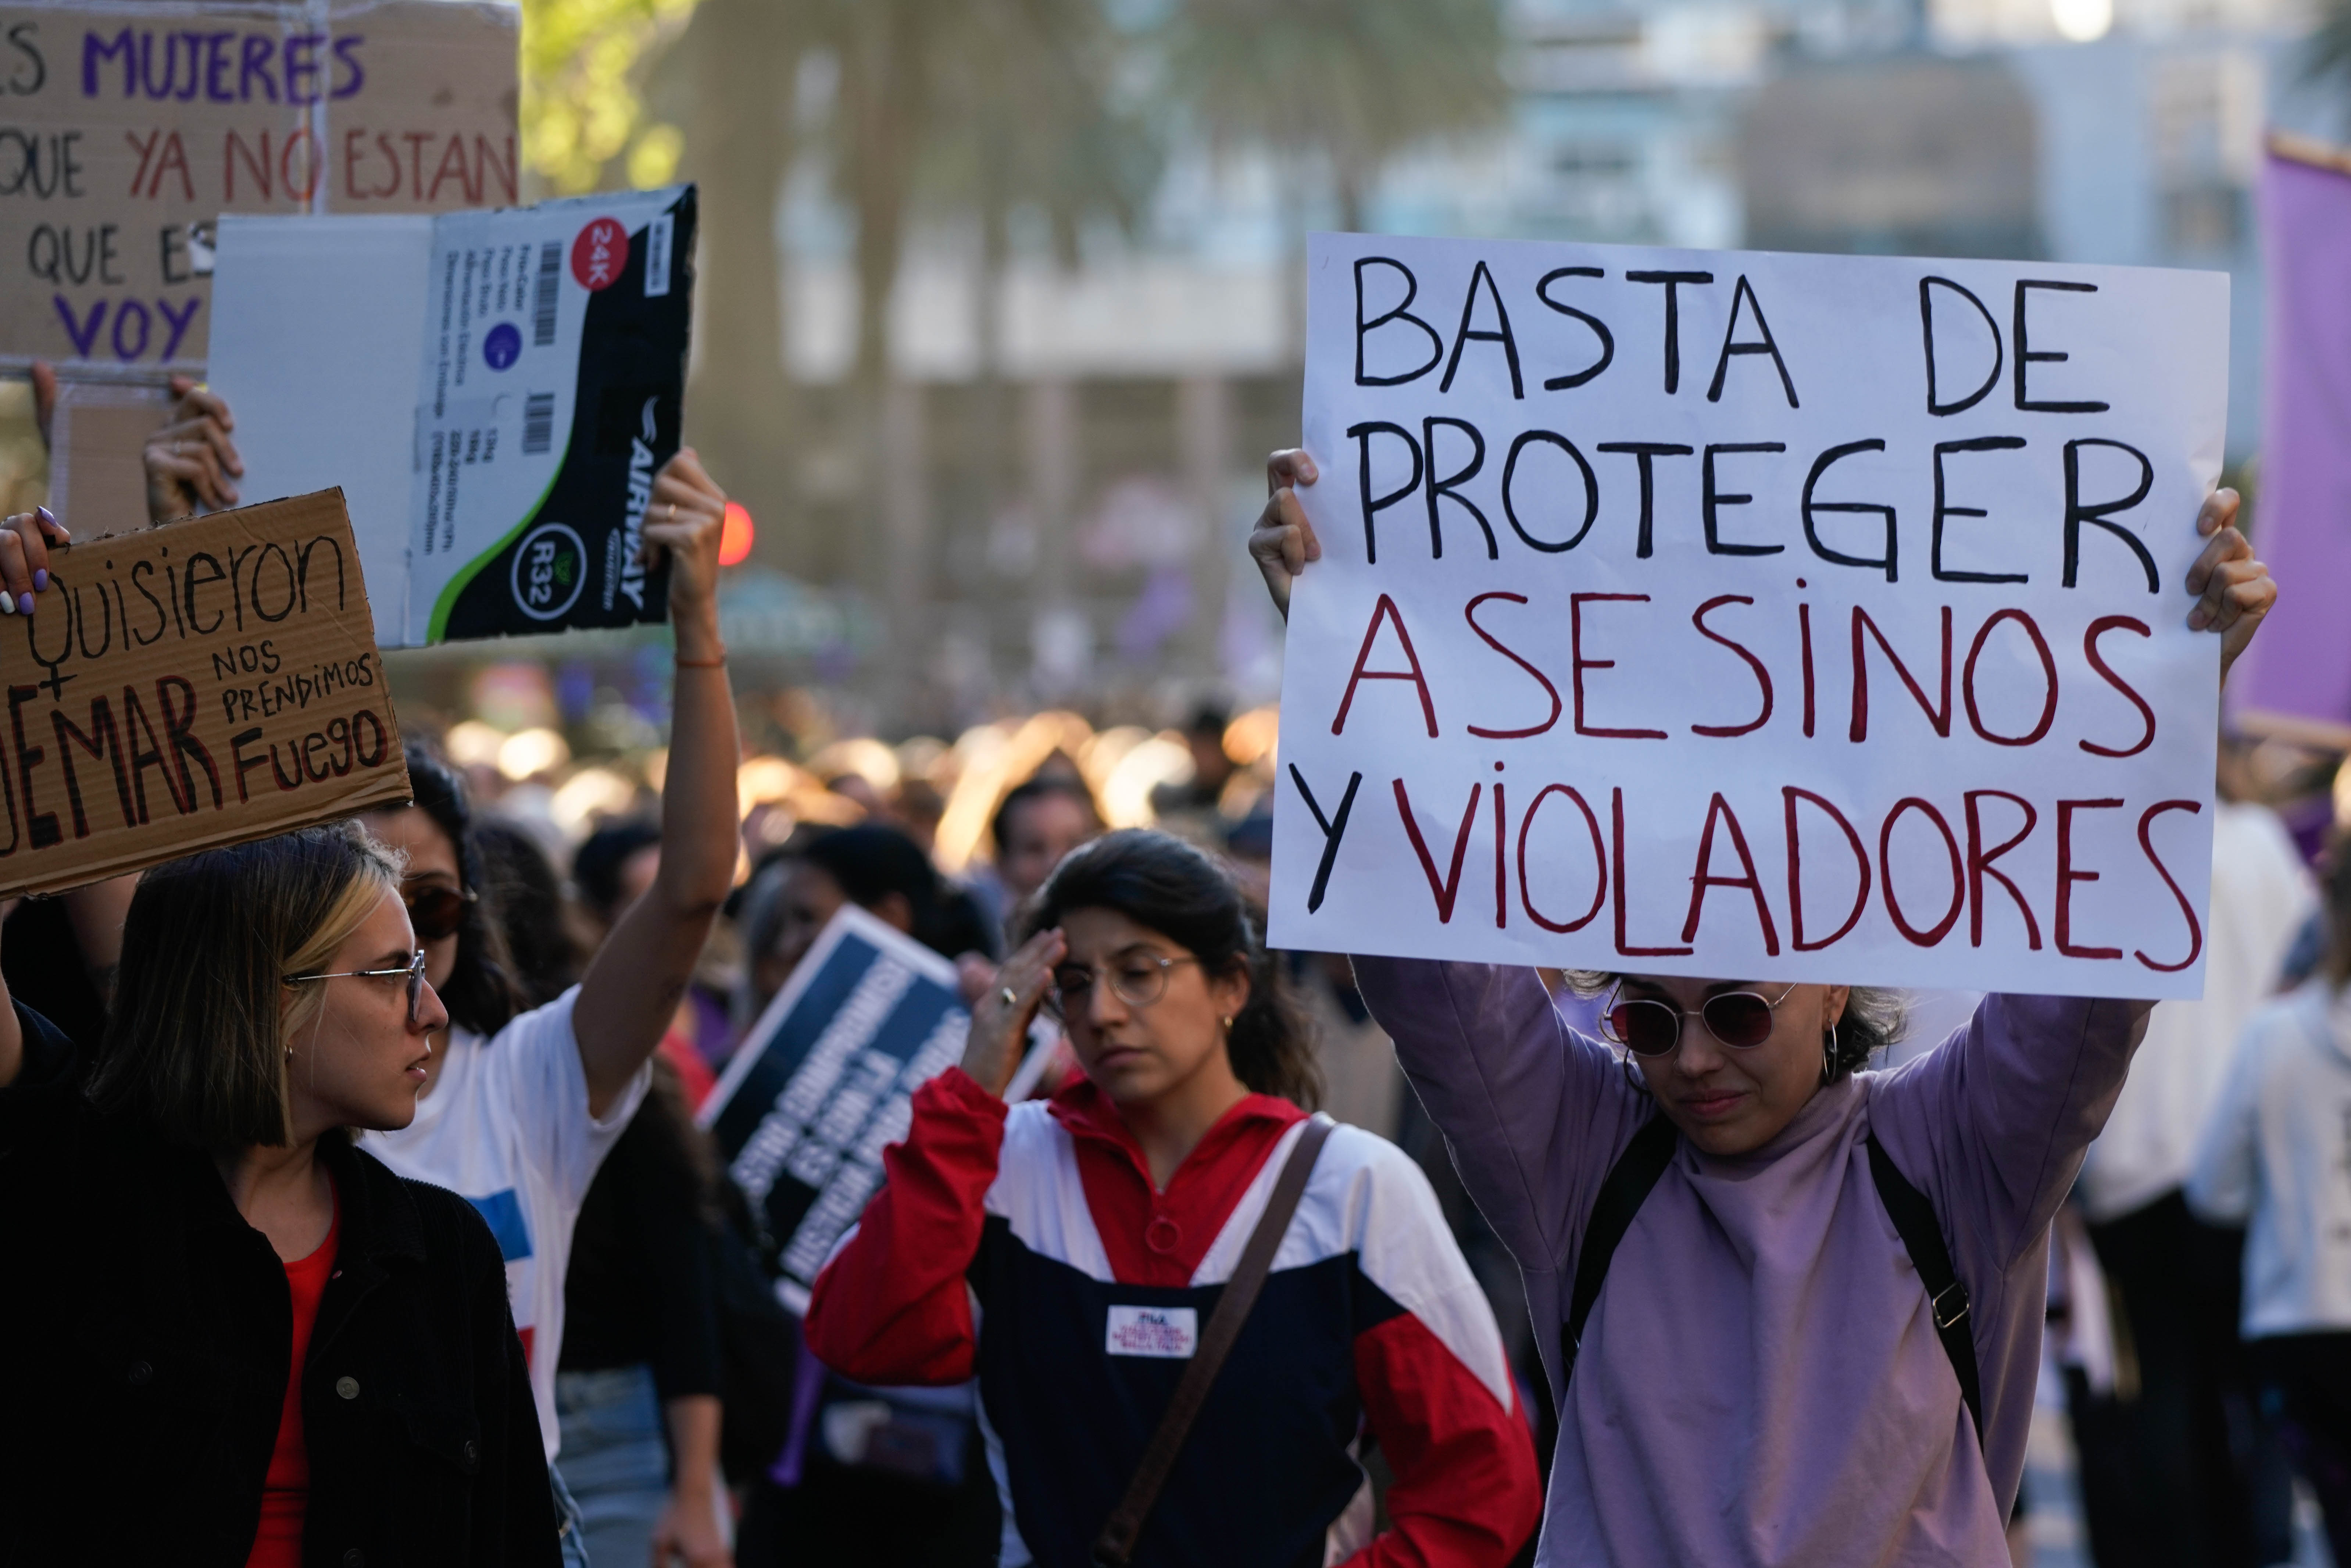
1874 1017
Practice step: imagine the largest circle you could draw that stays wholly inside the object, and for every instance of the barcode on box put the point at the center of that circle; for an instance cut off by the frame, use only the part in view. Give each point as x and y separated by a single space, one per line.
538 422
657 244
542 304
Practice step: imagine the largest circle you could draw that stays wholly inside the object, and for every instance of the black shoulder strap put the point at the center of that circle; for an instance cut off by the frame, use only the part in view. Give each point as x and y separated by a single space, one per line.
1627 1185
1114 1547
1922 1233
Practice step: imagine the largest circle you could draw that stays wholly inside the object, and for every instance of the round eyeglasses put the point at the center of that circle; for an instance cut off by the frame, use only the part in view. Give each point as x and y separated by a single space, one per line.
1137 976
413 970
1741 1019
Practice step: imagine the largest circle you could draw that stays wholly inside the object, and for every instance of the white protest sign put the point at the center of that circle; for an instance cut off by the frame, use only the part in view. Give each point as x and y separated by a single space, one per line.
1754 616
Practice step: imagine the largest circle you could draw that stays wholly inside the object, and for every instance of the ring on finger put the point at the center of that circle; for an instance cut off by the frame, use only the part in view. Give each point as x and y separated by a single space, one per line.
1011 996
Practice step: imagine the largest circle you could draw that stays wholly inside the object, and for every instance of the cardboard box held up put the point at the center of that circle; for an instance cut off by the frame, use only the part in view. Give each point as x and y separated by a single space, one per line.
496 416
197 685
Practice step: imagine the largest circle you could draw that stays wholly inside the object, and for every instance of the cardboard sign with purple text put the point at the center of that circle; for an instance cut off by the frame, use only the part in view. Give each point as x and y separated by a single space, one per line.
127 128
1754 616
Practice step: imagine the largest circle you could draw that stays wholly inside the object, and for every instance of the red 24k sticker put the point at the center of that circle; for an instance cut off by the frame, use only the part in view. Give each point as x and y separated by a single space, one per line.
599 255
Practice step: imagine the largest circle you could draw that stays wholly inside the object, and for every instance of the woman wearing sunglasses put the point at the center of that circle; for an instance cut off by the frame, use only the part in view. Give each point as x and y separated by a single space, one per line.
1759 1375
519 1109
233 1336
1069 1252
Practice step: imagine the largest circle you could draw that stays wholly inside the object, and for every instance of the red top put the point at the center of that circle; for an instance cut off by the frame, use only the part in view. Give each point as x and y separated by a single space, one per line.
286 1494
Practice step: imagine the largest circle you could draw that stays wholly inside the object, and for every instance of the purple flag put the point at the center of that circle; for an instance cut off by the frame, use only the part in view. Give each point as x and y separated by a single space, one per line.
2299 669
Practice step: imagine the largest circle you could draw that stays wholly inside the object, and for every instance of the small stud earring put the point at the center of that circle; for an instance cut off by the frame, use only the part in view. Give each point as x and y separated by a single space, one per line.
1228 1020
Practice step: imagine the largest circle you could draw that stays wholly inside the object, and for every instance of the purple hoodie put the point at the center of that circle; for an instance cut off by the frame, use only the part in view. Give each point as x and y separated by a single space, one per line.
1761 1382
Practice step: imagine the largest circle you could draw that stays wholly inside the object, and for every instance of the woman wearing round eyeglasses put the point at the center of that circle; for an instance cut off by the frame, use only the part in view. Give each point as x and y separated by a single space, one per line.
234 1337
1759 1375
1069 1252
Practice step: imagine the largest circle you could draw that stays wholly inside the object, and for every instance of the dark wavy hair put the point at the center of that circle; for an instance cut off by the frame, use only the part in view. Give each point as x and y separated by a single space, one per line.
529 896
1158 881
1039 786
481 995
871 861
1874 1017
597 863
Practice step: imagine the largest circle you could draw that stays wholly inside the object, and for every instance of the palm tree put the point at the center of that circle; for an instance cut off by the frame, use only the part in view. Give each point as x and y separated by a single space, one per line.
2329 48
728 82
1347 84
1029 118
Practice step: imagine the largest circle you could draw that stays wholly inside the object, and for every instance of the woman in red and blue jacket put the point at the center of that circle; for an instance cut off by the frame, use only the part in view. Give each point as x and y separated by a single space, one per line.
1069 1252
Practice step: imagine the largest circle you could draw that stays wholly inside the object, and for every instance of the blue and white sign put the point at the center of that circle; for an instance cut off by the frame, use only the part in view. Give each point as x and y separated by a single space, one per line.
825 1081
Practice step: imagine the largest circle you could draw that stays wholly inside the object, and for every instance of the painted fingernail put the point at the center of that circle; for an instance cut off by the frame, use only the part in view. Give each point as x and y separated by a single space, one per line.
40 580
7 604
25 603
47 516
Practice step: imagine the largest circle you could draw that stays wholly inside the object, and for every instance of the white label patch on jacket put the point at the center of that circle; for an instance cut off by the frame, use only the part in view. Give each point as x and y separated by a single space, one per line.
1169 1333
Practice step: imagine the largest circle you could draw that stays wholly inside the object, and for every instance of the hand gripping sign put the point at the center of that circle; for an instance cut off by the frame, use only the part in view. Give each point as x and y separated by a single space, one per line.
190 686
1754 616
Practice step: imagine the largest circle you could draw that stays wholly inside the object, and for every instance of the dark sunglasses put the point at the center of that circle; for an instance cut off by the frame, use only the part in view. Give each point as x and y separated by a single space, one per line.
1741 1020
434 908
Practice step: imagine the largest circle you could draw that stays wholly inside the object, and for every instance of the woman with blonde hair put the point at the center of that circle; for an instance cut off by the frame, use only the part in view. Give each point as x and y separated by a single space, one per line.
235 1337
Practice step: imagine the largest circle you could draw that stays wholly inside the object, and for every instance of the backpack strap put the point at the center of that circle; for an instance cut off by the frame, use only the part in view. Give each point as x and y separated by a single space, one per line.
1116 1545
1621 1193
1922 1235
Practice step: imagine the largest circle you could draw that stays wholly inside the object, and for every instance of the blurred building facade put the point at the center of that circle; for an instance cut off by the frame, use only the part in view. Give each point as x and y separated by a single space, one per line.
1058 510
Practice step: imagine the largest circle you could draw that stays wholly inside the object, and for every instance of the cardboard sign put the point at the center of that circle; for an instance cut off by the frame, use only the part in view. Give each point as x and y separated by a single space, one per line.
127 130
202 683
824 1082
494 390
1753 616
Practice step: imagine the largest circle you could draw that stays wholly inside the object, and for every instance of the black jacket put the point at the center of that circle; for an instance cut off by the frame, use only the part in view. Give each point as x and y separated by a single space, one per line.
144 1330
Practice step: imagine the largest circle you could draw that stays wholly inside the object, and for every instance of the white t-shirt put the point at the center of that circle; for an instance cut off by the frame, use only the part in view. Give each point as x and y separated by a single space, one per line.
2275 1156
2262 893
506 1128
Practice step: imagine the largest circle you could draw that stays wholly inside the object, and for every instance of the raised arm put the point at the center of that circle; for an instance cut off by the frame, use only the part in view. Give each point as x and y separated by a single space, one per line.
631 989
1532 1112
12 1033
191 459
1995 1124
1532 1115
24 540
